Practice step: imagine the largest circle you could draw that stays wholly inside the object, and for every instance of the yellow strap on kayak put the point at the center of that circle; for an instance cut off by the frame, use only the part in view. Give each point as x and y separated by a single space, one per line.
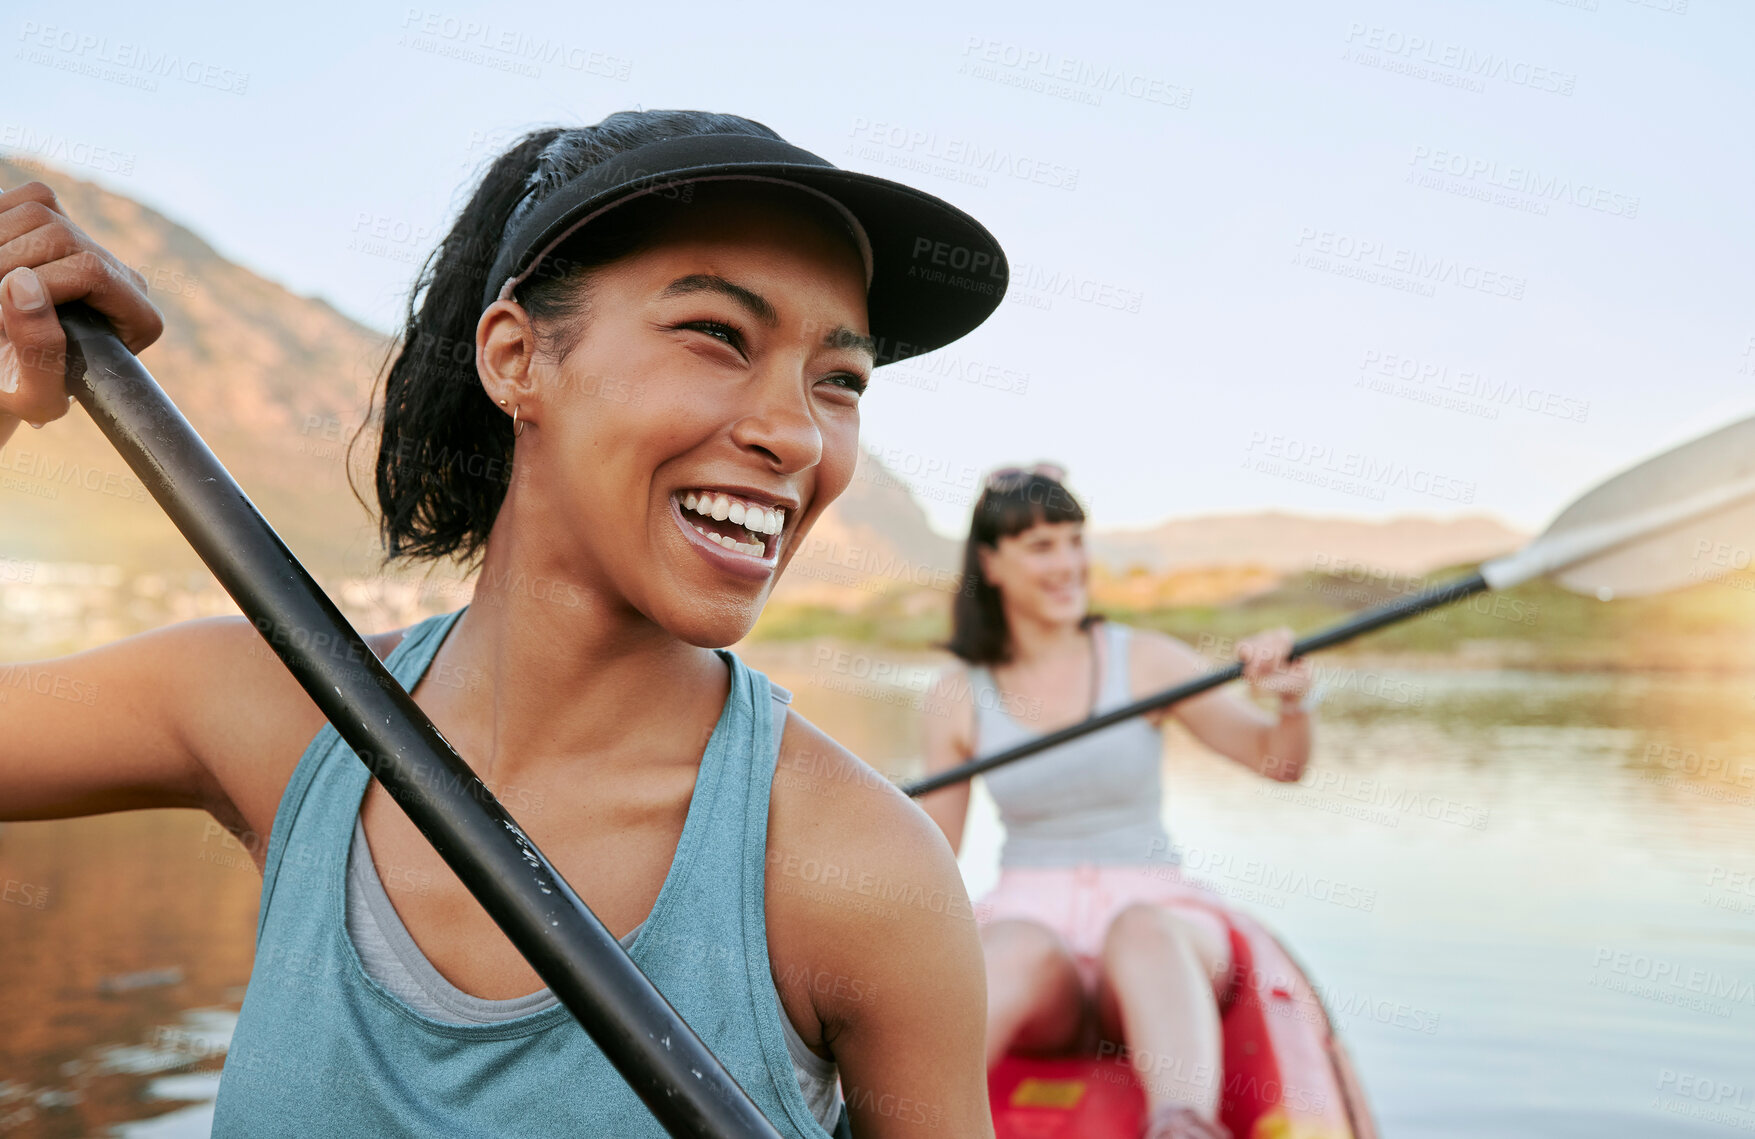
1062 1094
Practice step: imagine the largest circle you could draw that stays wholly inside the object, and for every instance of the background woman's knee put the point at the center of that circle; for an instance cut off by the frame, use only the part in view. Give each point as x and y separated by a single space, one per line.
1025 946
1161 929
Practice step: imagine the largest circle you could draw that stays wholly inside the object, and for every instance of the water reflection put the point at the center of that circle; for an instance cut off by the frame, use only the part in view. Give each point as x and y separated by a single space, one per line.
1529 899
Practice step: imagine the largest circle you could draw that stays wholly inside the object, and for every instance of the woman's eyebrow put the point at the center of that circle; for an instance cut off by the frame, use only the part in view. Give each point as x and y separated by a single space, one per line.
843 337
752 302
757 306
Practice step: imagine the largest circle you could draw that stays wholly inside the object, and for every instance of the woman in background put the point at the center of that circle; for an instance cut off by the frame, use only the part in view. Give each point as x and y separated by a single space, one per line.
1091 928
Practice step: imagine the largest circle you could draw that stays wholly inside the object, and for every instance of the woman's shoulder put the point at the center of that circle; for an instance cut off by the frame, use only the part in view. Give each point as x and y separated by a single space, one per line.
249 720
832 806
1157 659
818 779
954 678
859 878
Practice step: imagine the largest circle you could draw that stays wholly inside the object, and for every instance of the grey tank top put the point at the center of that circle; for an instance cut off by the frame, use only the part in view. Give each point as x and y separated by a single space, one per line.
391 958
1094 799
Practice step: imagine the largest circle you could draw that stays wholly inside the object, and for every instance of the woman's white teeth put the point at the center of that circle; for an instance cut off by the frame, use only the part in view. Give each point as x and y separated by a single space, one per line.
756 519
754 549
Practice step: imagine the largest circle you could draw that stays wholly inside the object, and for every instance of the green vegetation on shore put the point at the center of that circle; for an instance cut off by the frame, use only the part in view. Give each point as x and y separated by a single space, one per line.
1709 627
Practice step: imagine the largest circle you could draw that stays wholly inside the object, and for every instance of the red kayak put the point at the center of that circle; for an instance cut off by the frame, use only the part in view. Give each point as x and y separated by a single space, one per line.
1287 1075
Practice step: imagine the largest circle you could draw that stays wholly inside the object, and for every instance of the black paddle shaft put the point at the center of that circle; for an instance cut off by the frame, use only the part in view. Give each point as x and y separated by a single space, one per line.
1371 619
660 1057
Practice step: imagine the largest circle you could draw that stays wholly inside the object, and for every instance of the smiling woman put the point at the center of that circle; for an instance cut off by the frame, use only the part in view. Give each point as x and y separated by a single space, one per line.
655 332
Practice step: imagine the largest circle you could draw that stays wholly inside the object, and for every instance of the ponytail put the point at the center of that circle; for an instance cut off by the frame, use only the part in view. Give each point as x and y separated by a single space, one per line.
445 451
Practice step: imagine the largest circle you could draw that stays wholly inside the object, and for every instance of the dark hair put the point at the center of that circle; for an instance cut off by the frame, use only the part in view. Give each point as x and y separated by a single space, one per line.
445 451
978 628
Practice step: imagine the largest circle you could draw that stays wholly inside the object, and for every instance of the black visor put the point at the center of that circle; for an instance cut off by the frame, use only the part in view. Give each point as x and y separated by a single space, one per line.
936 273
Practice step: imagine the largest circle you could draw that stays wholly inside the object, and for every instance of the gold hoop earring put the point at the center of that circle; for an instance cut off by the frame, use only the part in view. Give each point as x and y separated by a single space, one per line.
517 428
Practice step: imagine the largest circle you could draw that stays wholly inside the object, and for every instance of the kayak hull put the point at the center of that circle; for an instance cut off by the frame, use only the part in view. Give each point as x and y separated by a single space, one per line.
1286 1074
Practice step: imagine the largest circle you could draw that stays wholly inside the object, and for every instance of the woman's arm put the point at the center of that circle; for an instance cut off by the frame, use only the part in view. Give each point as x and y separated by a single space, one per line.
100 731
872 937
1275 746
949 711
199 714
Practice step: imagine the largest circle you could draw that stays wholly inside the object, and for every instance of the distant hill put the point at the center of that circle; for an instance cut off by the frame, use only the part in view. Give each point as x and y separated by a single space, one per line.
1289 543
874 540
273 381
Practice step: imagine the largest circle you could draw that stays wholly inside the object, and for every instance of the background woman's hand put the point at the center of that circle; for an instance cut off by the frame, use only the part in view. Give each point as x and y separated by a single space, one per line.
1267 667
46 260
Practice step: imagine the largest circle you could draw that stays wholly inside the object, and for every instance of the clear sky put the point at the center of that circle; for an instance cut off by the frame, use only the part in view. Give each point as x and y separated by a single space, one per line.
1362 259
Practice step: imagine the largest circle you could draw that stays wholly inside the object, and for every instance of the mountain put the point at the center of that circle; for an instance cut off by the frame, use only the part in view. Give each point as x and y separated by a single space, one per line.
875 539
1290 543
274 382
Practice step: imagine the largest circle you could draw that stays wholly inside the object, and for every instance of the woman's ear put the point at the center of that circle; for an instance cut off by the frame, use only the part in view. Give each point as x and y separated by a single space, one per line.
505 345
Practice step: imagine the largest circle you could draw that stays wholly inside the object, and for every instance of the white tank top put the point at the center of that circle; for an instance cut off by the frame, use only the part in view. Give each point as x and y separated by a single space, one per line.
1094 799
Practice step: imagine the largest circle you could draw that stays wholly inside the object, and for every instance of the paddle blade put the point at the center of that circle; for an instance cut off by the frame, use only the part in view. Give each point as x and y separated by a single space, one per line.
1710 548
1679 518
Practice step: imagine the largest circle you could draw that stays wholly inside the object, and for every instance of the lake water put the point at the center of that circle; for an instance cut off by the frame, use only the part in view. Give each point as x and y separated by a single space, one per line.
1529 899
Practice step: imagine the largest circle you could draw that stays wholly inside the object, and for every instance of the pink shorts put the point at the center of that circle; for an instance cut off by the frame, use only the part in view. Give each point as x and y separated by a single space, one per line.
1079 902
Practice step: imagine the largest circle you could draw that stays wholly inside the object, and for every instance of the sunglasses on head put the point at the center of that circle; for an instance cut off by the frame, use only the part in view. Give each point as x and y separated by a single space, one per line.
1011 478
